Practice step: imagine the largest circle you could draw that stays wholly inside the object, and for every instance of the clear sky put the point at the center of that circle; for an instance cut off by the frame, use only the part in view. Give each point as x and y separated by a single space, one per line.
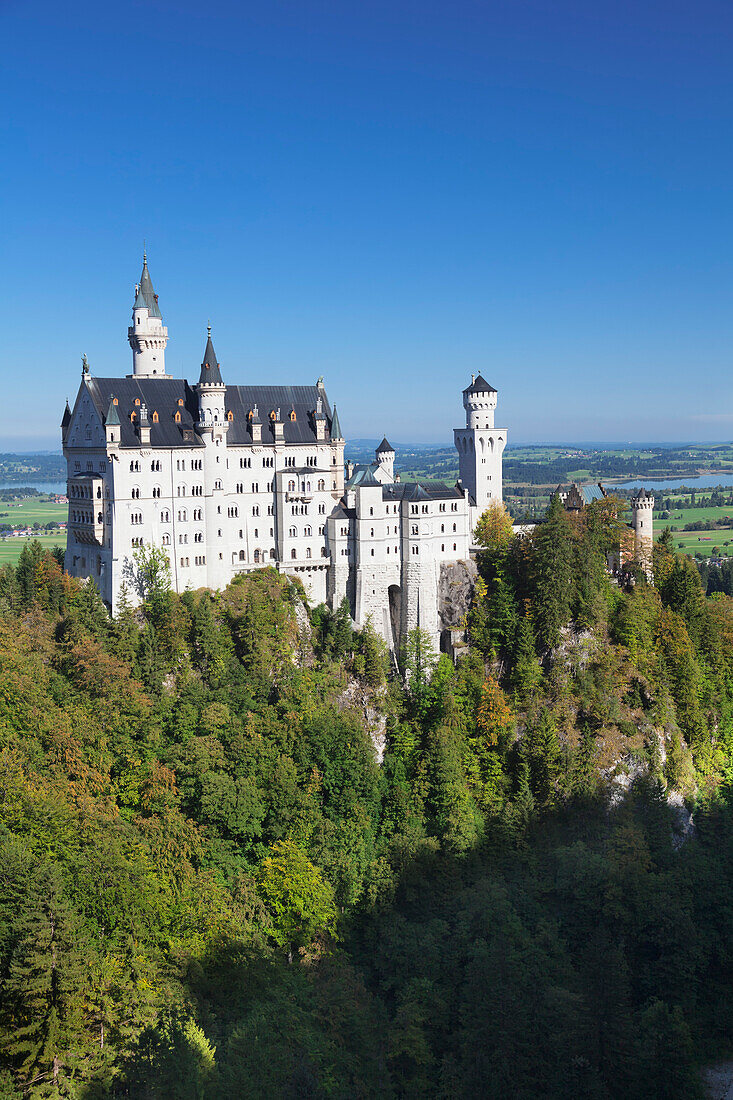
390 194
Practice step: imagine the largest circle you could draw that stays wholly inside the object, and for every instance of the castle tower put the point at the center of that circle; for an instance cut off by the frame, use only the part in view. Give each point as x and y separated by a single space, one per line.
212 395
147 334
385 454
480 447
642 522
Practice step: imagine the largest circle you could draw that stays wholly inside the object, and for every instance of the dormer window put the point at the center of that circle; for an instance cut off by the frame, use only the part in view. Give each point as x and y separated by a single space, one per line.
230 416
177 418
180 401
272 415
155 417
137 400
115 401
292 414
132 415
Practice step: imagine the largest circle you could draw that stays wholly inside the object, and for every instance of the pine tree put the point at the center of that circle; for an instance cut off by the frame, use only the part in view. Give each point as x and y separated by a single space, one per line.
552 575
43 1027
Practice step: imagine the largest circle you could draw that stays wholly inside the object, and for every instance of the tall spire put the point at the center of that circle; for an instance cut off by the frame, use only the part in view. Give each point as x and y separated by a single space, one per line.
147 334
210 372
146 292
335 426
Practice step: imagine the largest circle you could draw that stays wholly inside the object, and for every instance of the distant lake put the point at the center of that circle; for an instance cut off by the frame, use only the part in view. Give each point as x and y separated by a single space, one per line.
42 486
707 481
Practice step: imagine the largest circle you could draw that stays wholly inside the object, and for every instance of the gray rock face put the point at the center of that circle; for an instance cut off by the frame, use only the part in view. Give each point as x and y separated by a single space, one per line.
455 592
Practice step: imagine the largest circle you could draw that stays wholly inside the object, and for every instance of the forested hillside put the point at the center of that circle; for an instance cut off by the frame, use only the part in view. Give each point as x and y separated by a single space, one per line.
210 889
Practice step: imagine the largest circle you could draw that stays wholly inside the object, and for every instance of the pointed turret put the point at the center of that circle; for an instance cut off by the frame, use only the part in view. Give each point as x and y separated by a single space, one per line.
385 454
210 373
146 292
112 428
113 417
65 421
147 334
335 426
212 396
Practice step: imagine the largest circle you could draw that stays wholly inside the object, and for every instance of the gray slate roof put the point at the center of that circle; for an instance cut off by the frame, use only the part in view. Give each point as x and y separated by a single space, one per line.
385 446
210 367
414 490
146 292
479 385
162 395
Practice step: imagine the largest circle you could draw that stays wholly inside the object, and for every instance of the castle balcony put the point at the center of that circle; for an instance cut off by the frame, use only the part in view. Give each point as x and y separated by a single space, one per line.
87 528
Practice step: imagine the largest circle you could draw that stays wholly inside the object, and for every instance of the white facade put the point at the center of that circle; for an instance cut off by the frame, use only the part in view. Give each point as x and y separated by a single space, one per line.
228 479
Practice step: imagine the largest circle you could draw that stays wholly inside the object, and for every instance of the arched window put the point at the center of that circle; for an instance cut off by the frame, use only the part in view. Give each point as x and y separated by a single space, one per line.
177 418
321 485
308 552
155 417
293 532
307 532
293 554
230 416
292 414
242 555
166 540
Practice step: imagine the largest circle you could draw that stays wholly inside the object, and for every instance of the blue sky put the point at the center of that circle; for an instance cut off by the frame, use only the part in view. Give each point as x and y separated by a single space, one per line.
392 195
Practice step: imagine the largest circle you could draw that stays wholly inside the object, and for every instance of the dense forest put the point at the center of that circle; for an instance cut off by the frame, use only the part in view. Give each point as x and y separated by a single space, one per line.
210 887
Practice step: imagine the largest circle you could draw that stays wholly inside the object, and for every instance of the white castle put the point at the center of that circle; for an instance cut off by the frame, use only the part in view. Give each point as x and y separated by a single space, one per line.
228 479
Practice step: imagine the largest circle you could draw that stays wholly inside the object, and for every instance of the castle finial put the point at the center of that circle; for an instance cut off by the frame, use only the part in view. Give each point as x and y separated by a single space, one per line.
145 252
84 364
208 328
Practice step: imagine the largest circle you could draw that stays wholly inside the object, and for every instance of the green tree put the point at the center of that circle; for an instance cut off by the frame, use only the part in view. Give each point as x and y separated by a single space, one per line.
299 900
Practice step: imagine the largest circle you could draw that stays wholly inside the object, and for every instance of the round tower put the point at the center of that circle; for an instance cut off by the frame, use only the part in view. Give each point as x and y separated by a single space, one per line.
642 522
480 447
212 395
147 334
385 455
479 401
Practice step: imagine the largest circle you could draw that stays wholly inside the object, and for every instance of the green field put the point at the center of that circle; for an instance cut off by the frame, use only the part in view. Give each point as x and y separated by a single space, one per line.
32 511
698 542
10 548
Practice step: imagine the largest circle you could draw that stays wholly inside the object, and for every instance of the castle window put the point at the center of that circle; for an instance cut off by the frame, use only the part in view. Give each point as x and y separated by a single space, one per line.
198 513
454 546
240 487
442 528
372 553
371 533
321 509
454 528
182 515
308 552
166 540
321 530
165 516
291 486
292 414
321 485
155 417
217 484
137 400
414 549
135 493
293 554
270 510
413 509
414 531
243 557
256 510
230 416
293 532
442 546
371 511
255 486
177 418
180 401
88 433
324 552
307 532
